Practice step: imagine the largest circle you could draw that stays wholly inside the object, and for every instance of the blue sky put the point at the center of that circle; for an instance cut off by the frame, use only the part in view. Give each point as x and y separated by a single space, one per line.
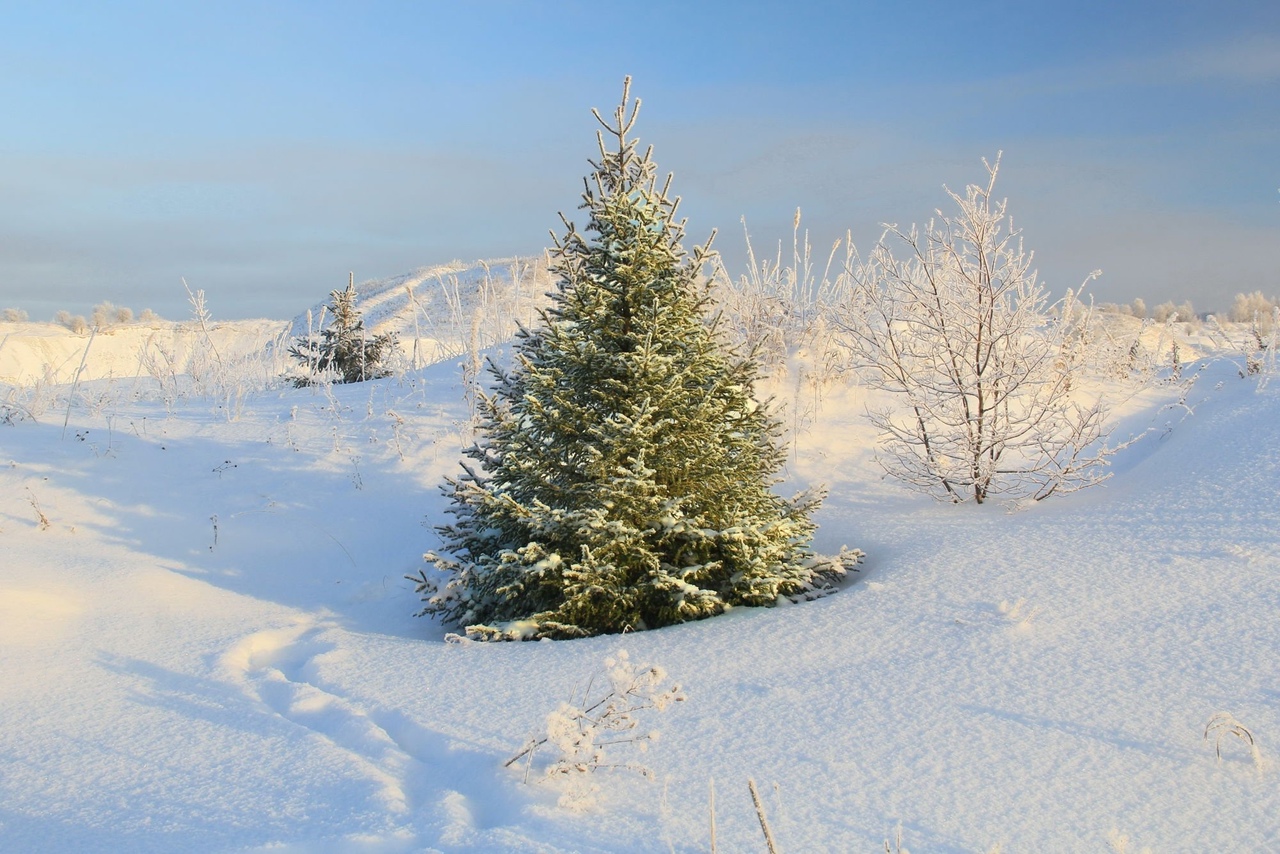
262 150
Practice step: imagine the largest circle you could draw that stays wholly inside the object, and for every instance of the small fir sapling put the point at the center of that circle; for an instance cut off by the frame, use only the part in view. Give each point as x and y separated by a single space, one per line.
343 352
622 479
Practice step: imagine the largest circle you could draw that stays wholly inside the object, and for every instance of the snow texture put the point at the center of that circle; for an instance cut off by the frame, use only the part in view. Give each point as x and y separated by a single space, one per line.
209 647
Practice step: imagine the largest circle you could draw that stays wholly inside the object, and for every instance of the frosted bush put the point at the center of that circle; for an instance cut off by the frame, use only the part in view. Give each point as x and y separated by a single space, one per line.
1137 308
777 309
1252 308
606 715
14 315
959 331
76 323
1167 312
104 314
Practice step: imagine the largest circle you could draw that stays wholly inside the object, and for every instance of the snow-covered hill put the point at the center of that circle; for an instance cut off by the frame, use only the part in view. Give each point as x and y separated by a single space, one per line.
442 311
207 643
437 312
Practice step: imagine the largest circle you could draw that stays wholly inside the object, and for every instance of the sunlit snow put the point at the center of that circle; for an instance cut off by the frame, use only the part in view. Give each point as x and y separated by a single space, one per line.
210 646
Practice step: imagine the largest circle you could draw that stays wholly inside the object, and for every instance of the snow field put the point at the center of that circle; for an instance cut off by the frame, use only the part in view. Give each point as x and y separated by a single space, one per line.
1034 679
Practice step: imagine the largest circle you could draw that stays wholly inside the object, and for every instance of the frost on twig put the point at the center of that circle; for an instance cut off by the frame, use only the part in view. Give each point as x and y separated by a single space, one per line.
1223 724
605 715
764 822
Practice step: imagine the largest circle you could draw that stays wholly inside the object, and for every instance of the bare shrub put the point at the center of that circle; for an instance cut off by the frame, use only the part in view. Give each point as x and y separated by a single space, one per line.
124 315
775 308
1119 843
961 334
13 315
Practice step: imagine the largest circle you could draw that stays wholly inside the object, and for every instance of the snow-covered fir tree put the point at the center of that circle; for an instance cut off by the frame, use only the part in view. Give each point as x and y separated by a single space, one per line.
624 471
343 352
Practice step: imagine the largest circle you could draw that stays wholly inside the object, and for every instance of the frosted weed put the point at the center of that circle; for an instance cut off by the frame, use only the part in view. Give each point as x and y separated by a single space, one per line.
45 524
1018 612
1223 724
605 715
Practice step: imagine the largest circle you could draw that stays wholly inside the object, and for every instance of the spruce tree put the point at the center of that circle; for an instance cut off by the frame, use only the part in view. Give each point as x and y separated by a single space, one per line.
343 352
623 476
